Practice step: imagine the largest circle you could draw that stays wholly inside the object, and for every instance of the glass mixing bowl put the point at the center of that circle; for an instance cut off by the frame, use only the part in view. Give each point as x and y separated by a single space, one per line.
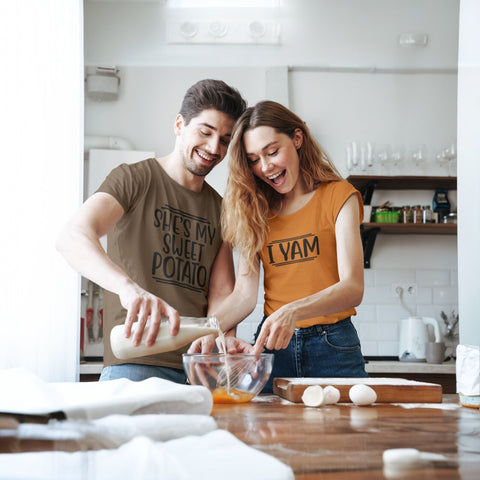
235 378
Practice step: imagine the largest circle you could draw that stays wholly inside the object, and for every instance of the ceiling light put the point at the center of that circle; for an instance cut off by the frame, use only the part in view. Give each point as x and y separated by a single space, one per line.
218 29
413 39
256 29
188 29
222 3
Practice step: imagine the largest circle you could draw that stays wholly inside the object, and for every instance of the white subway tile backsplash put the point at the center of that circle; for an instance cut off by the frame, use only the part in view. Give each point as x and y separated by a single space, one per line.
377 295
388 349
378 316
424 296
387 332
370 349
388 276
368 331
442 295
365 313
429 278
369 277
391 313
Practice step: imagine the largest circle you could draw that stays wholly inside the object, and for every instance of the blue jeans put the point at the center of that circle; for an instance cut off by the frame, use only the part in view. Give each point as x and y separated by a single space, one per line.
138 372
319 351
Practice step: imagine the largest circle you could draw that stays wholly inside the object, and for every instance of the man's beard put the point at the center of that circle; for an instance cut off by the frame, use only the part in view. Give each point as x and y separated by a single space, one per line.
197 170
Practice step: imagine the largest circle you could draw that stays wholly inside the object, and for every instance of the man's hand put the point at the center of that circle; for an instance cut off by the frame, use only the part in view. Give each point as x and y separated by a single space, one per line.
235 345
203 344
146 306
206 344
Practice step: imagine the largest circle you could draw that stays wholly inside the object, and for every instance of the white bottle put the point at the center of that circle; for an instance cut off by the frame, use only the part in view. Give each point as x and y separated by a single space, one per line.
191 328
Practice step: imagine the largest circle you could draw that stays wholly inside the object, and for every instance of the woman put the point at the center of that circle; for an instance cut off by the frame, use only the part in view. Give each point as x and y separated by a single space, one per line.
287 207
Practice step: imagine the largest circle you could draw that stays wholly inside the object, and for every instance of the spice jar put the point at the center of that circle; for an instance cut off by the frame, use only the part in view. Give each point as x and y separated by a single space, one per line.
381 215
450 218
407 215
417 214
427 214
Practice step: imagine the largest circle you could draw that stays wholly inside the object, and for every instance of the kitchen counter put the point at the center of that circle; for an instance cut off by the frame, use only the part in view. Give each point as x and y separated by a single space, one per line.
342 441
387 367
372 366
443 373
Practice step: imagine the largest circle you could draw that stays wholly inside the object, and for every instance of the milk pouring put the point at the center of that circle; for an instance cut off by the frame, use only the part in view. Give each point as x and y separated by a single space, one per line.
191 328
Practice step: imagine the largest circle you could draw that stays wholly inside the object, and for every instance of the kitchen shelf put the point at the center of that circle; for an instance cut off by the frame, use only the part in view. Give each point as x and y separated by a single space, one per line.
366 184
403 182
412 228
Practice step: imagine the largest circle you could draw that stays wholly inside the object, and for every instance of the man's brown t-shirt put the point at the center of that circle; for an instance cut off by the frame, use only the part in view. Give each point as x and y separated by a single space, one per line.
166 241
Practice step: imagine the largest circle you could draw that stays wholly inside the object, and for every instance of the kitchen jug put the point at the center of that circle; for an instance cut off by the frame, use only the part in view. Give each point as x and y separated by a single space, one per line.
413 336
191 328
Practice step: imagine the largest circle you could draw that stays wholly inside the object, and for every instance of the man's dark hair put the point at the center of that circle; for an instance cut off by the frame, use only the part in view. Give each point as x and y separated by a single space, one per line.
214 94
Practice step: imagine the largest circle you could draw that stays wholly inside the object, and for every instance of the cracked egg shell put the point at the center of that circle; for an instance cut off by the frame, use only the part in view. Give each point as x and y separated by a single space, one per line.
313 396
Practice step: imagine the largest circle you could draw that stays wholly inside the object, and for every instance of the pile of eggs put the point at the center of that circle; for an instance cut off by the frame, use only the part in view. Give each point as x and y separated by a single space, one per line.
316 396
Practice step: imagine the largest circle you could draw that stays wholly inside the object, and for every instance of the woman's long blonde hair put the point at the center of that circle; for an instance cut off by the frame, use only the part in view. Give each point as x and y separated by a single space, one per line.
248 201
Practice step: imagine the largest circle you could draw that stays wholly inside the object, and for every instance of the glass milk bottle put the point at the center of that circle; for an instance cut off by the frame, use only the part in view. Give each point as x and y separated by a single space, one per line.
191 328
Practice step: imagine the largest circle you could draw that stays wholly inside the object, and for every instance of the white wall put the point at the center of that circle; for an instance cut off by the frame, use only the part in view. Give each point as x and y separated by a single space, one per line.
150 99
313 32
410 100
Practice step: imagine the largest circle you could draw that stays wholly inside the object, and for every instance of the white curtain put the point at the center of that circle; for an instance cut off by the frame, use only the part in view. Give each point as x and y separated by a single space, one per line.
41 178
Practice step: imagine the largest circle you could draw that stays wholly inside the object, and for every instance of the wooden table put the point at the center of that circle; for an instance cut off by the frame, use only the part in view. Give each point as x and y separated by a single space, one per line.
341 442
347 442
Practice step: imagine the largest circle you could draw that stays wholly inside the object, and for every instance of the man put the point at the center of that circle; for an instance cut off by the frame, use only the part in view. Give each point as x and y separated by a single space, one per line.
165 251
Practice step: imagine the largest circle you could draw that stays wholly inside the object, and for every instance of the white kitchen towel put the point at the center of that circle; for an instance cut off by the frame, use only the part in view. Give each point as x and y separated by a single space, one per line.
115 430
23 392
218 455
468 369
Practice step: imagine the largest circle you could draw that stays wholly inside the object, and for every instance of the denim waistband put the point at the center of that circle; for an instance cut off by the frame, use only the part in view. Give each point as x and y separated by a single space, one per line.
324 326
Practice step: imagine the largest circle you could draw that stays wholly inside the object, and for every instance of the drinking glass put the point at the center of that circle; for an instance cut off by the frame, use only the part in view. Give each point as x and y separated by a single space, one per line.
451 154
384 157
398 160
419 159
442 161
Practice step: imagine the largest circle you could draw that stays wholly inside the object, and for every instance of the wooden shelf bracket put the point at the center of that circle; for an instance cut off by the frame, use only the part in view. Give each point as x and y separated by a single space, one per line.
368 241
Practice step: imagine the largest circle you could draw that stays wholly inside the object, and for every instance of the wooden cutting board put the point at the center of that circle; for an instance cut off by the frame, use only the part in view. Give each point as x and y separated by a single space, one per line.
388 390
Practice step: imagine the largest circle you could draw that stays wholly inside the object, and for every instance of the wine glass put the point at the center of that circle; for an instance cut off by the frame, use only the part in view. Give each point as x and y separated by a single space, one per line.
419 159
398 157
451 155
441 159
384 156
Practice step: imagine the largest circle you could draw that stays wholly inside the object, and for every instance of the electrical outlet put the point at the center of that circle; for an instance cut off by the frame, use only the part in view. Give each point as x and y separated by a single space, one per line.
405 289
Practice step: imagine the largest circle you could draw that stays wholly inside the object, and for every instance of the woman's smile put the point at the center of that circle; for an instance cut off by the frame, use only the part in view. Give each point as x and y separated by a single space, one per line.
273 157
278 178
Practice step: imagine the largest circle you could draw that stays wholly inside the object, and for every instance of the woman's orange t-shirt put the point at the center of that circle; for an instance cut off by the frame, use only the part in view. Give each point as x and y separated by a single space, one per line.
299 257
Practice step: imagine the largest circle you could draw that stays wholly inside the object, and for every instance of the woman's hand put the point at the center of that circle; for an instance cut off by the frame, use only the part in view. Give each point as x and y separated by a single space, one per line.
277 330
